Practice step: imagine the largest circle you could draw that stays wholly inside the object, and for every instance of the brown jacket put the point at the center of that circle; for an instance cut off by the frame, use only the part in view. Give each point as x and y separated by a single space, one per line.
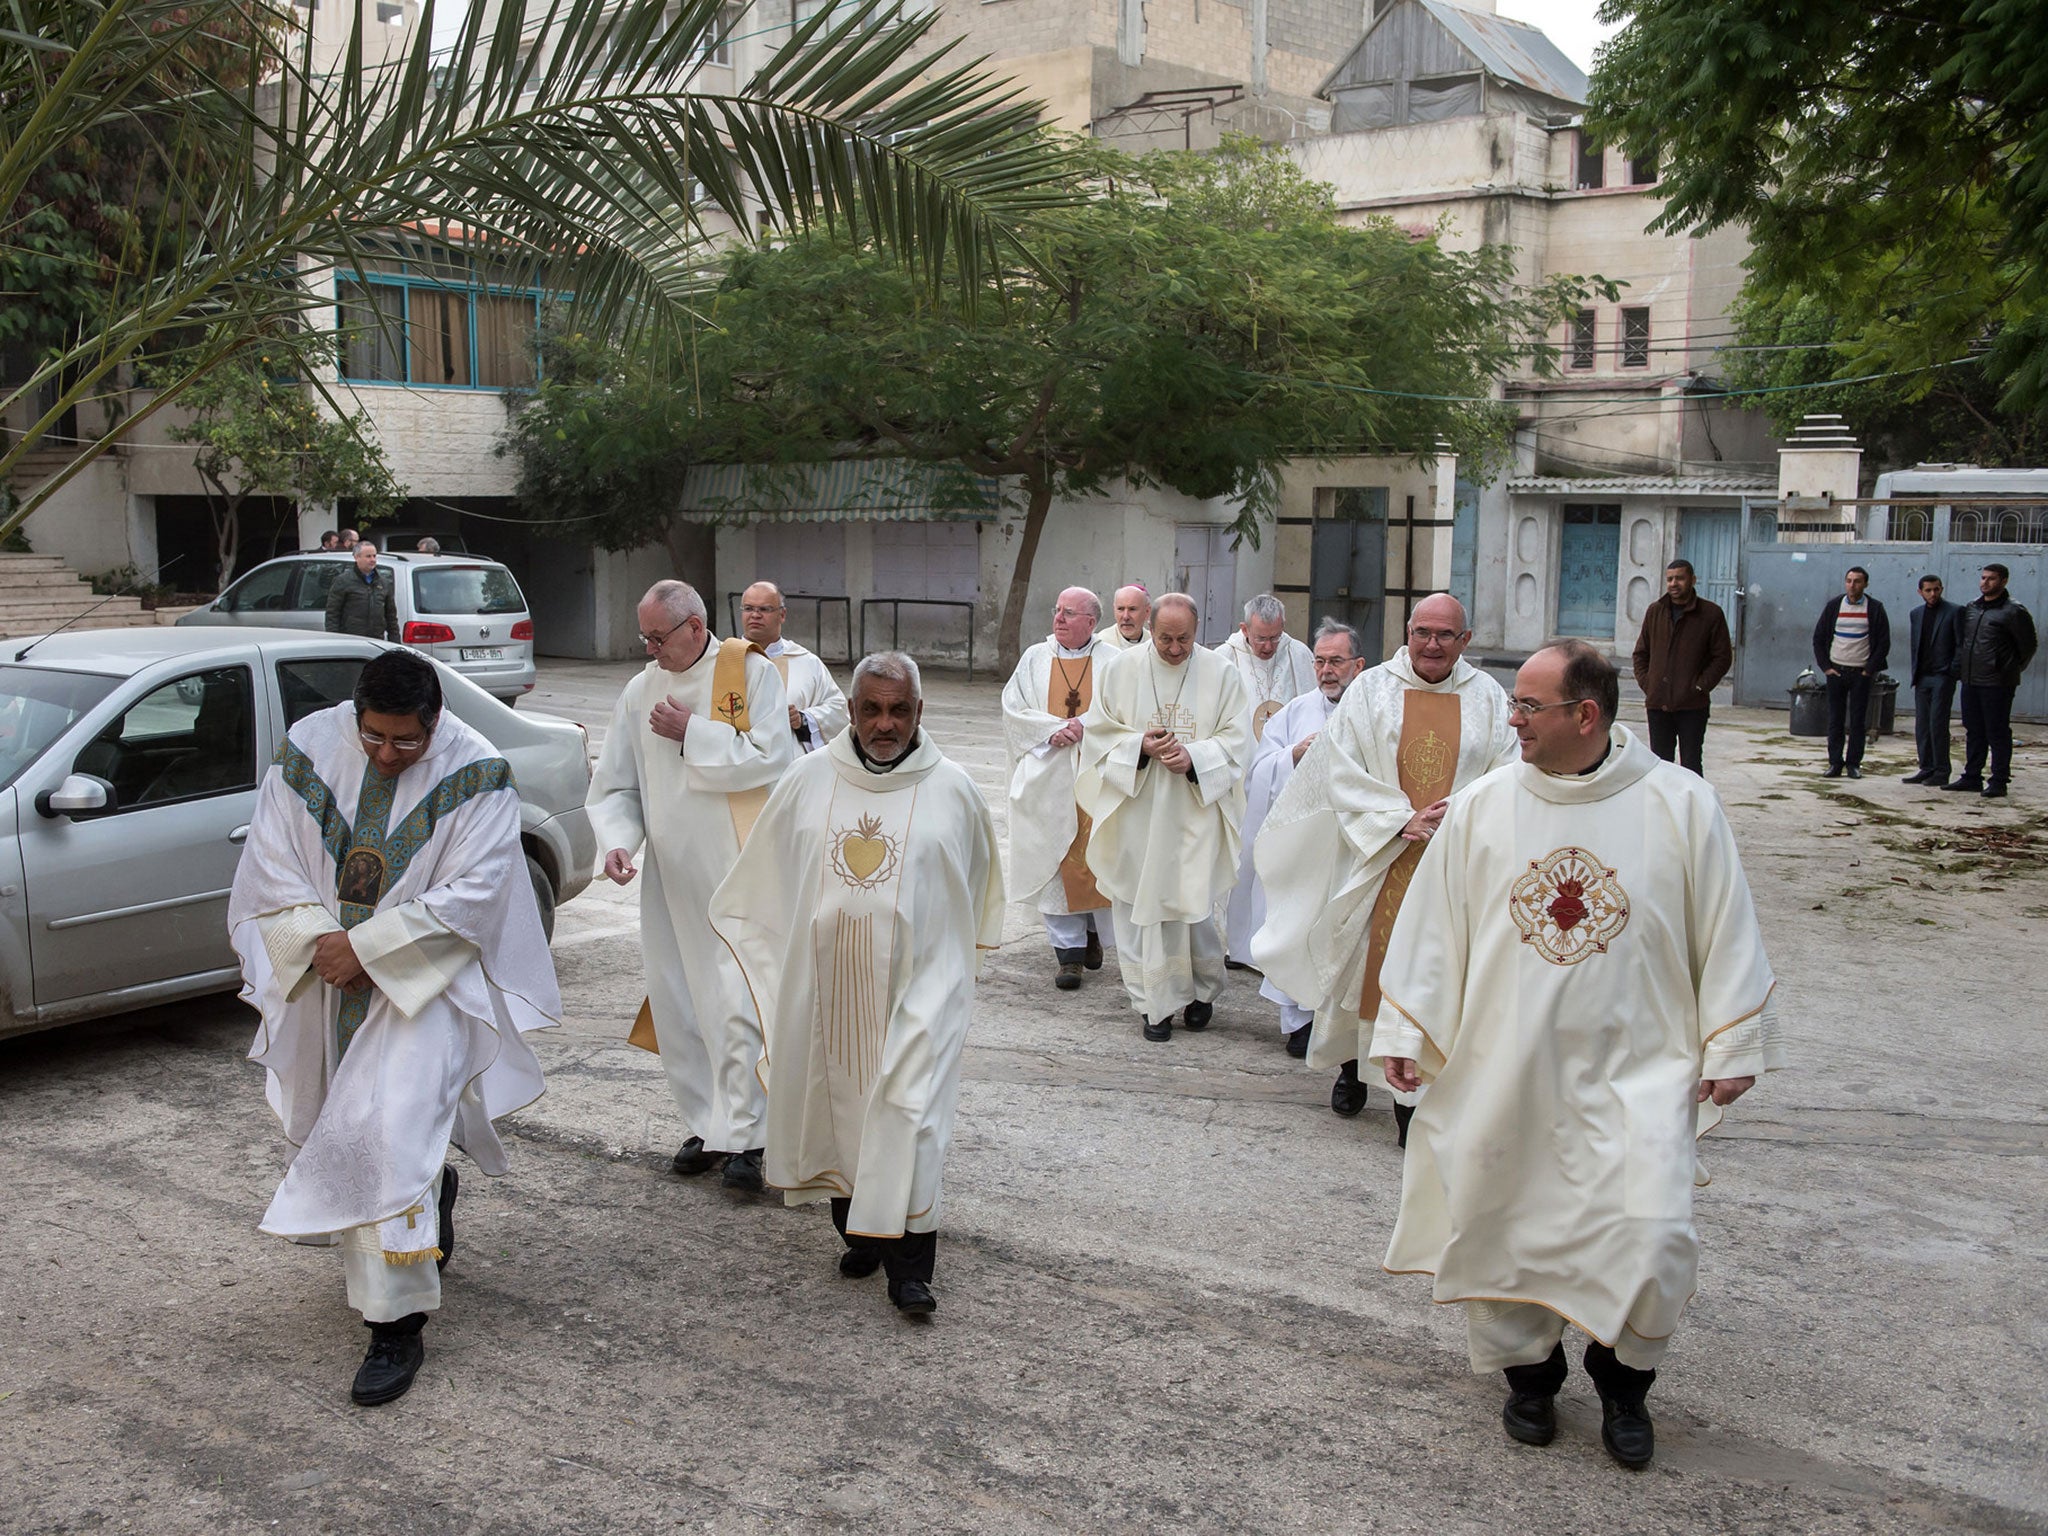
1681 653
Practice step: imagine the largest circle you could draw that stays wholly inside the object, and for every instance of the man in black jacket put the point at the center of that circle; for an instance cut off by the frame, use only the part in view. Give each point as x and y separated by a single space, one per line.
361 601
1995 641
1936 627
1850 644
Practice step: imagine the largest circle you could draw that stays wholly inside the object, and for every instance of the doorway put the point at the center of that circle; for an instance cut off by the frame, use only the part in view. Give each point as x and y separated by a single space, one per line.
1588 566
1348 561
1711 539
1205 567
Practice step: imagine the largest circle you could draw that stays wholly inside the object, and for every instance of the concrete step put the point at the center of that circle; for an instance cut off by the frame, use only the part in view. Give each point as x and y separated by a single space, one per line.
13 581
62 607
9 629
10 561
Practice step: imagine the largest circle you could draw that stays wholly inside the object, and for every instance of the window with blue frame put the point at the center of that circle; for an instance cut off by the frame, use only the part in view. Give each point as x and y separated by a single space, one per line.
436 322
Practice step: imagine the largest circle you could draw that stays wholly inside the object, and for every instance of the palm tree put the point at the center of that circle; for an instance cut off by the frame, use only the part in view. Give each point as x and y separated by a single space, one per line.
571 140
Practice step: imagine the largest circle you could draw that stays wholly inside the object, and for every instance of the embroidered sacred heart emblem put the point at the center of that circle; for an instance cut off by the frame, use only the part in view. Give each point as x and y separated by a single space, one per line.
864 855
1568 911
1568 906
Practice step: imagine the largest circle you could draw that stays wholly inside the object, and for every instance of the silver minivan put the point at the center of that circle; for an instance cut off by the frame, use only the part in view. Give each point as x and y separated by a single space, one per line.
463 610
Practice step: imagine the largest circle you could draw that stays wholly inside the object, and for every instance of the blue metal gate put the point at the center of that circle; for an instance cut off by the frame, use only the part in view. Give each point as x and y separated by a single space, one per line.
1785 584
1589 564
1712 541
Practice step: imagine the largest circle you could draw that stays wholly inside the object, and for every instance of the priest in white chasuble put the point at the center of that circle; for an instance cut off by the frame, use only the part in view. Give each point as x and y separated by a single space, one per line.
389 939
1277 668
860 911
1578 974
1132 607
1342 841
697 740
1043 705
1164 749
1288 737
817 709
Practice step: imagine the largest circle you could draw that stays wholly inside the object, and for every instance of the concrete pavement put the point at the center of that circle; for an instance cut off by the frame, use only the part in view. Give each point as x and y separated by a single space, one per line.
1160 1301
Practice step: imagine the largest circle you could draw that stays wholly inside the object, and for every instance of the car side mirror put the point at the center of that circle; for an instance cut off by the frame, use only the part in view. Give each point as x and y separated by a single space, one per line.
80 795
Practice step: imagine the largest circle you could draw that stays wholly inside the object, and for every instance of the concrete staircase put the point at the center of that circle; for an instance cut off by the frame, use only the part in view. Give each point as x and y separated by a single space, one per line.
38 593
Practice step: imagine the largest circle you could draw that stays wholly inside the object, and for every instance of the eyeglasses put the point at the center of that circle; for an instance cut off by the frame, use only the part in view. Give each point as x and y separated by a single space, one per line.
1073 613
658 641
747 608
398 743
1435 636
1531 707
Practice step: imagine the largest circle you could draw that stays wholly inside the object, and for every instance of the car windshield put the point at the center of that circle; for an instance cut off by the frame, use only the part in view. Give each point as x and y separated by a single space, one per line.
466 589
36 707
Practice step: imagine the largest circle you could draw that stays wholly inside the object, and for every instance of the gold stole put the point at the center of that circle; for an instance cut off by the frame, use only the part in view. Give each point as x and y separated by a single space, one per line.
854 939
1428 763
728 703
1076 878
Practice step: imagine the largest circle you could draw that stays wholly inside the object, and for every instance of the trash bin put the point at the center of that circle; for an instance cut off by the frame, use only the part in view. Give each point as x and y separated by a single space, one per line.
1884 705
1809 705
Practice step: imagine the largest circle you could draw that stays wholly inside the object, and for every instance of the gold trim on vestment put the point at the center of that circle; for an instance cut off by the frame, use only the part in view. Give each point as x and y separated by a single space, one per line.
1418 1025
1531 1301
1432 727
1744 1018
642 1033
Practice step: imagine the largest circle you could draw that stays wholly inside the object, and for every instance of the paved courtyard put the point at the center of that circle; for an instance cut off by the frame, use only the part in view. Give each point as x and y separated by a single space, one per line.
1161 1307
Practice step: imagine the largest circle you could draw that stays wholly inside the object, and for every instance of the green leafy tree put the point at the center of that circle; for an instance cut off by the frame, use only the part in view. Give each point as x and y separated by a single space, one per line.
1198 323
259 436
1888 157
574 140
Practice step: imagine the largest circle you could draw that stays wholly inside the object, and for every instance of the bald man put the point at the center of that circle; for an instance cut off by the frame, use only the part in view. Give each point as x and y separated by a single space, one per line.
817 709
1164 751
1132 606
1341 843
1043 706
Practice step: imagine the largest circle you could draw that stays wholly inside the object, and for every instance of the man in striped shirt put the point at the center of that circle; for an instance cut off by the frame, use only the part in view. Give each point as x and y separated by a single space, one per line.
1850 644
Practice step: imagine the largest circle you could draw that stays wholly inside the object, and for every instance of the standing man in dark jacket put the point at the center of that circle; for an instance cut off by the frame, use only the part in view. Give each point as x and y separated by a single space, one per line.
1936 627
1850 644
361 601
1994 642
1682 651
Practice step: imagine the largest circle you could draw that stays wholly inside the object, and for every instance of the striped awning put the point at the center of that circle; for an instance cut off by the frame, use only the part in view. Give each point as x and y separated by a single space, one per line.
849 491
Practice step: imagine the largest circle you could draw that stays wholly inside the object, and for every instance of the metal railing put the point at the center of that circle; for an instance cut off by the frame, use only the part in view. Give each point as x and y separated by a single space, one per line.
817 601
896 606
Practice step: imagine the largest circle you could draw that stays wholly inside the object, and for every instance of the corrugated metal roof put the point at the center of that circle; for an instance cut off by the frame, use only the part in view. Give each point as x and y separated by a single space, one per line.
1644 485
849 491
1509 50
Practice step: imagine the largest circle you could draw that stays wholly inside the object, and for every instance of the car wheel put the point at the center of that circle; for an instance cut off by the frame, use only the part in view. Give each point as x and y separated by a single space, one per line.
543 895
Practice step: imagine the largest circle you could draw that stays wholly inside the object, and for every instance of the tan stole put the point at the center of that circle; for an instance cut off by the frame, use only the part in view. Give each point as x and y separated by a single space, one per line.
854 943
1067 699
728 703
1428 762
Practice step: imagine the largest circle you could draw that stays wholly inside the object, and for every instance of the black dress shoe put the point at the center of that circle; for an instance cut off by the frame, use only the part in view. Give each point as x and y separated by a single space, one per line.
691 1159
859 1263
1347 1095
396 1353
1403 1113
1971 786
1197 1015
1626 1431
449 1184
1832 773
1917 778
1069 978
913 1298
1530 1418
1854 772
1297 1040
1994 791
742 1174
1163 1030
1092 955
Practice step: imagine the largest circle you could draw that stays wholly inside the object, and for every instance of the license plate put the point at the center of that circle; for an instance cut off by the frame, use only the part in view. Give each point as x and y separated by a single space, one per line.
483 653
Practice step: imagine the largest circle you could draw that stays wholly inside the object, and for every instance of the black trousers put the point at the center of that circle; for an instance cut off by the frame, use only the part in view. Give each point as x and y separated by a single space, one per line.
1610 1377
909 1257
1680 736
1848 708
1931 701
1987 730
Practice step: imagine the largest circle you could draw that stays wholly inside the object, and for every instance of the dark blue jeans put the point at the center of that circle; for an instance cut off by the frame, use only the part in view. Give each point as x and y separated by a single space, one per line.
1848 710
1931 700
1987 729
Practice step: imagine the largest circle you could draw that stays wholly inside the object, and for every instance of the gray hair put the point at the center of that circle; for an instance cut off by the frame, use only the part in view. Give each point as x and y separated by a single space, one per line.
1464 618
1331 627
428 546
1265 609
891 666
1177 600
1094 602
678 599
